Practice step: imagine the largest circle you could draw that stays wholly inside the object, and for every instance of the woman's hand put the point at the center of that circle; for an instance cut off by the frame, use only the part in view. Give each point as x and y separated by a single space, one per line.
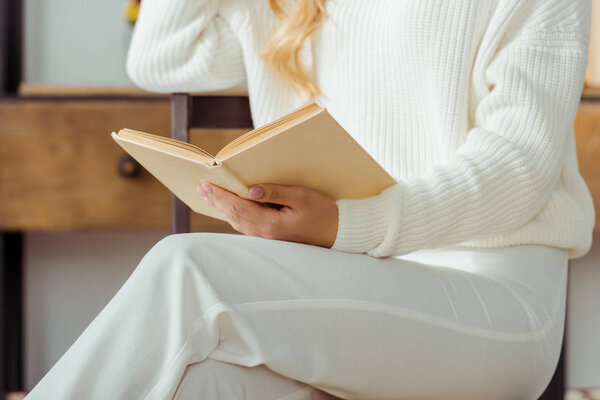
307 216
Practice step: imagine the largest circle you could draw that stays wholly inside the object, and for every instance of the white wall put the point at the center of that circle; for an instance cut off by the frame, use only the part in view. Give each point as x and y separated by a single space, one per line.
583 338
70 277
75 42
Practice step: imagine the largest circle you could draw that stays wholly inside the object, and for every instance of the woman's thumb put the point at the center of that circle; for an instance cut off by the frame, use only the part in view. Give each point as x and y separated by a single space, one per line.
270 193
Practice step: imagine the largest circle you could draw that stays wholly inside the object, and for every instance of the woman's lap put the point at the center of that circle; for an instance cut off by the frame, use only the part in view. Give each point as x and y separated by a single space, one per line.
440 323
456 324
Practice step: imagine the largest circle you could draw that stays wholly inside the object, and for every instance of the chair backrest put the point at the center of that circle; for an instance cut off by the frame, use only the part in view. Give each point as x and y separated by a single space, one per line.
229 110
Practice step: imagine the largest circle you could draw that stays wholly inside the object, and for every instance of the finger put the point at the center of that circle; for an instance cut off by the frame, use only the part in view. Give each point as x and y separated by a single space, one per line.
293 196
241 213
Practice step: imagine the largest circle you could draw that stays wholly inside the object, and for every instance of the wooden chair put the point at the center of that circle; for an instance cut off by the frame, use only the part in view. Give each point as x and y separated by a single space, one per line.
231 110
558 385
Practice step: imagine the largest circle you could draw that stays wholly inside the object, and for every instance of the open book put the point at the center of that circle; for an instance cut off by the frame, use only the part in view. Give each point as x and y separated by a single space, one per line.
306 148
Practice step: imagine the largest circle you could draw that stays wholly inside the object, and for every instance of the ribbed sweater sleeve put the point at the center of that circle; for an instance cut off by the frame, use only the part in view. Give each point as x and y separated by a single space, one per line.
184 46
505 170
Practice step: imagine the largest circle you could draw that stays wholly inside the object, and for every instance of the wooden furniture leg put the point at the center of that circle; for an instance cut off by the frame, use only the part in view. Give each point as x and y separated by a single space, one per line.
11 330
557 387
180 122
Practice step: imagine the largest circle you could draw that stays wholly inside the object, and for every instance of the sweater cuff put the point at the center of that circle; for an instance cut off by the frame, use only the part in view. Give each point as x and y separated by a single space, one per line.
362 223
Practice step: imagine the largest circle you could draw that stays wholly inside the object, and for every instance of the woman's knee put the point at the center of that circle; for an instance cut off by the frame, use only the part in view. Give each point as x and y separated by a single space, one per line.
173 253
179 242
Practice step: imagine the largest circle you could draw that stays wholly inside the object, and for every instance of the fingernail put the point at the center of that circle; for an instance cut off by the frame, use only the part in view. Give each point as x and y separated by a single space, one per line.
256 192
207 188
201 190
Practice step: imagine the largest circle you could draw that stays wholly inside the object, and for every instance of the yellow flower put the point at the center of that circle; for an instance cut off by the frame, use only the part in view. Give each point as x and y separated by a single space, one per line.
132 8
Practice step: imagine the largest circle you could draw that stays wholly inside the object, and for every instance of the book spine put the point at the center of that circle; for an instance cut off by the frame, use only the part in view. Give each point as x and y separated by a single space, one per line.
231 179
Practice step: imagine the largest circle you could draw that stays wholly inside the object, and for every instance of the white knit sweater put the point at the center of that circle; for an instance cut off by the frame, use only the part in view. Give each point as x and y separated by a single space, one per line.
469 104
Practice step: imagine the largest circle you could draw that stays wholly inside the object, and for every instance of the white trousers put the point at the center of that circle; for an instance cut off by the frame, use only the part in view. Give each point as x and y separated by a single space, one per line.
227 316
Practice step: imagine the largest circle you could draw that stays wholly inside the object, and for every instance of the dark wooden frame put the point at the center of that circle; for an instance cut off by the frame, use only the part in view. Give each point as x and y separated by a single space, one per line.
11 243
11 35
11 307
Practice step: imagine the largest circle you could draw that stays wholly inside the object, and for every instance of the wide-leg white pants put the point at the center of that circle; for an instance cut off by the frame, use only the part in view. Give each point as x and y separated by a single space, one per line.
228 316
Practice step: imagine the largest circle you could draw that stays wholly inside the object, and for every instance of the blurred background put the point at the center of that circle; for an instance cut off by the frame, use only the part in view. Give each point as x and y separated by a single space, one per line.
77 215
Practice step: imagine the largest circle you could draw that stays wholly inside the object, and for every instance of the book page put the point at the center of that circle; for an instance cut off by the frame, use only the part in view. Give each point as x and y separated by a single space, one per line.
181 175
183 149
316 153
266 131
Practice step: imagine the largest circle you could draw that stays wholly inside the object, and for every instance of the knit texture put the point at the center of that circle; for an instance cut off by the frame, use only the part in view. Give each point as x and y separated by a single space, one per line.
469 104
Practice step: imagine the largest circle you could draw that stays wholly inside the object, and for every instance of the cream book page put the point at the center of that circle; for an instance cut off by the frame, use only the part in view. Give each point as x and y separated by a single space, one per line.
317 153
181 175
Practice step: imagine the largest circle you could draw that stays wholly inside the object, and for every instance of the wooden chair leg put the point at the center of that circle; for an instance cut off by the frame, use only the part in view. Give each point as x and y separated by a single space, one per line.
557 387
11 312
180 122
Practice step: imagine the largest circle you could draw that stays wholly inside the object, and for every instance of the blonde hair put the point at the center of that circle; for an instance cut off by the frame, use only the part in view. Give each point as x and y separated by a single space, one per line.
283 49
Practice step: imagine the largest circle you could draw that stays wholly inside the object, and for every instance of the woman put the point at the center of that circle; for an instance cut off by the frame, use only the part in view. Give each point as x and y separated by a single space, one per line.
450 284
